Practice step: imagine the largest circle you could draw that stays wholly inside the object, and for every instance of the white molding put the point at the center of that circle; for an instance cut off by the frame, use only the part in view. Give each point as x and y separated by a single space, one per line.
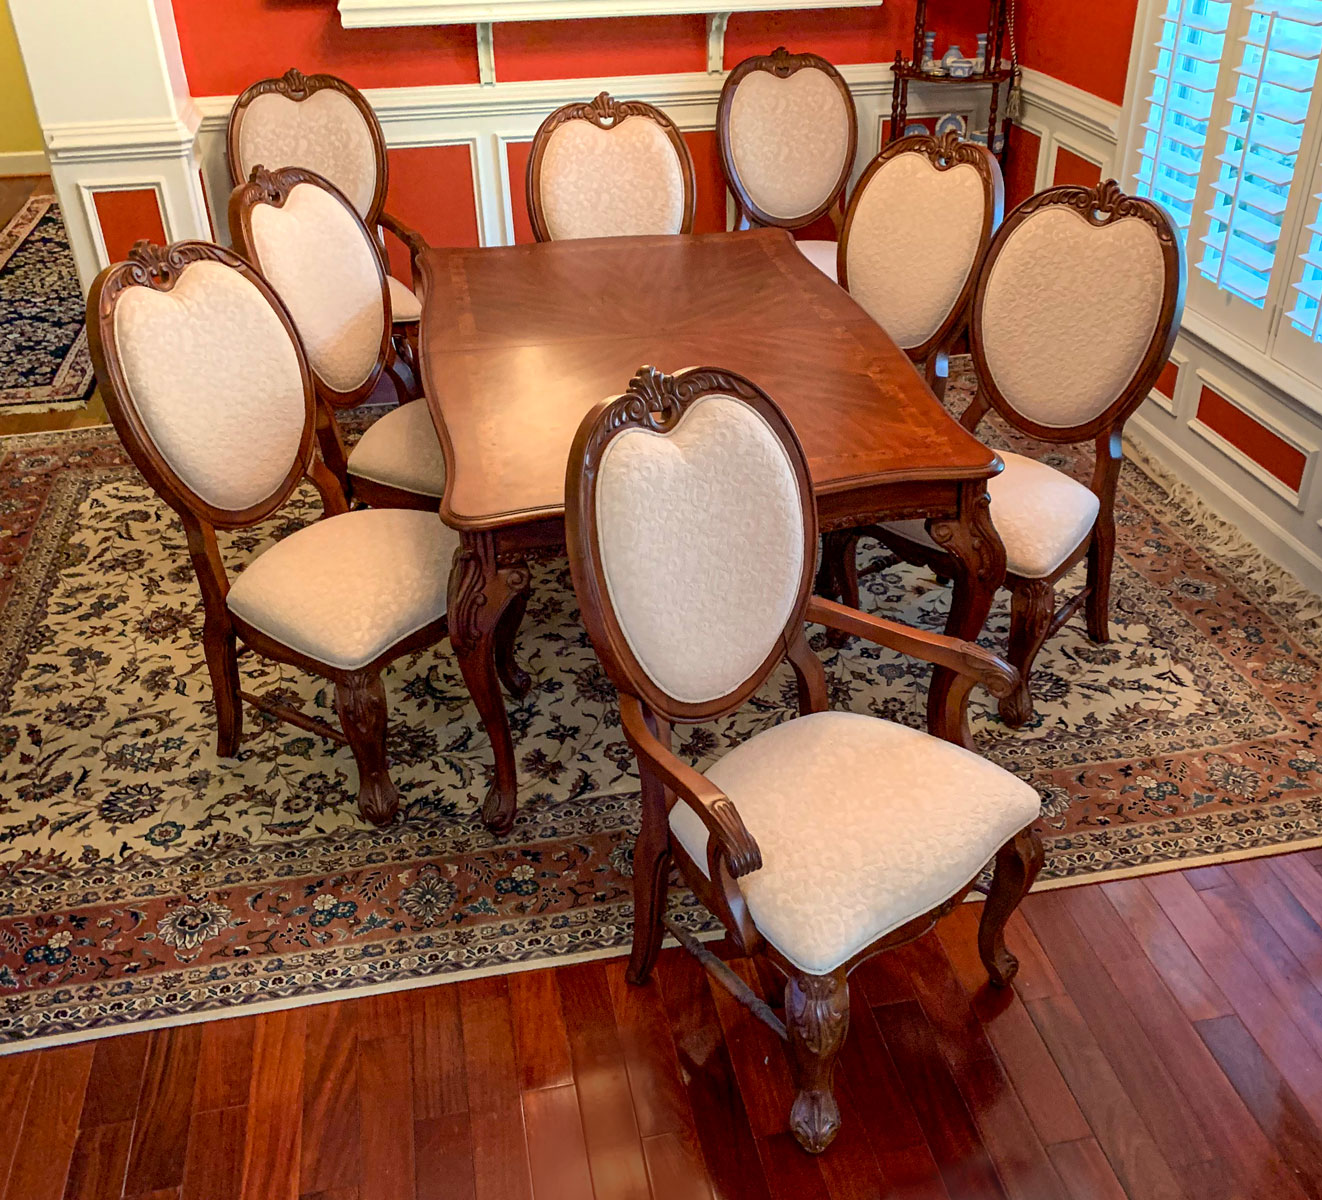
716 25
23 162
370 14
1170 405
1077 108
108 141
486 53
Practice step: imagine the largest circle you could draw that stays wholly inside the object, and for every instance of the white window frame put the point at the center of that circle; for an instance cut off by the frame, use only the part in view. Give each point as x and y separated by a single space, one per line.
1262 339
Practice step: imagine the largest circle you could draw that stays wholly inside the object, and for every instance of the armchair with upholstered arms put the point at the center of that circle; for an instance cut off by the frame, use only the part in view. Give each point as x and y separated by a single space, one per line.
827 838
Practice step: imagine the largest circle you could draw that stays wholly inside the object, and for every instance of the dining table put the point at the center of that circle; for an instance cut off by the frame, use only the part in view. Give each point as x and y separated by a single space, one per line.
518 343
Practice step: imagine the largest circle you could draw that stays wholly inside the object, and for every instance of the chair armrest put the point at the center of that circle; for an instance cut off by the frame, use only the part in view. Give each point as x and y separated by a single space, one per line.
415 243
712 806
964 658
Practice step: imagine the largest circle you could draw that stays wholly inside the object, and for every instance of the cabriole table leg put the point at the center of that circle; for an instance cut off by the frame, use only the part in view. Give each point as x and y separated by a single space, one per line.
481 590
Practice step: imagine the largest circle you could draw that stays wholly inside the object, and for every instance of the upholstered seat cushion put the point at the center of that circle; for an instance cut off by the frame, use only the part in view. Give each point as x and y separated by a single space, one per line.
346 589
863 825
404 303
822 255
401 449
1041 514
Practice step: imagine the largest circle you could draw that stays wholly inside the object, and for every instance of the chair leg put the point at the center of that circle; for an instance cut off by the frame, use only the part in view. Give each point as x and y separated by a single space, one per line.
837 577
222 653
1101 559
1032 606
1017 865
361 703
517 681
816 1019
651 881
332 448
404 392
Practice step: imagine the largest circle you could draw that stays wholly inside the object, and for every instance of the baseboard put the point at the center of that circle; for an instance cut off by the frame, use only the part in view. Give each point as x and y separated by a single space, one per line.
1276 542
23 162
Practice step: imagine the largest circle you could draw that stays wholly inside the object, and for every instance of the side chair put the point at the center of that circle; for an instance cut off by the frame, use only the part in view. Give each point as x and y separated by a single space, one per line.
831 836
916 229
314 249
1075 312
609 168
325 124
209 390
787 132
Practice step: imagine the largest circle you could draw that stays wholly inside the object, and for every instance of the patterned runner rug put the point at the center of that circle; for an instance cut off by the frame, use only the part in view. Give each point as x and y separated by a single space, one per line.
44 363
143 879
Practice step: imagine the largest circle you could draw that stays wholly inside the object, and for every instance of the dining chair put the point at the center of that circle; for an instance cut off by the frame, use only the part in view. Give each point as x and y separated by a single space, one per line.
787 132
326 125
916 228
207 385
309 242
826 838
1075 311
609 168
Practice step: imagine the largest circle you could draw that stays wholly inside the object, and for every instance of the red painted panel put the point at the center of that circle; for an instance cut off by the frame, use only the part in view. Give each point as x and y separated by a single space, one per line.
127 216
1087 46
590 50
1272 453
1166 381
709 217
516 155
1020 166
228 44
431 188
1074 168
854 35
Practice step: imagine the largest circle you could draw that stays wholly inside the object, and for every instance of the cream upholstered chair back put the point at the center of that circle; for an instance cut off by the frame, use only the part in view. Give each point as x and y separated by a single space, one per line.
917 226
609 168
692 532
318 122
314 249
787 131
1076 309
203 378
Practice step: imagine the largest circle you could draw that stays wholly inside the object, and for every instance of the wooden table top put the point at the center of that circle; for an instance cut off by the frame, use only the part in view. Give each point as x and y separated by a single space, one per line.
519 342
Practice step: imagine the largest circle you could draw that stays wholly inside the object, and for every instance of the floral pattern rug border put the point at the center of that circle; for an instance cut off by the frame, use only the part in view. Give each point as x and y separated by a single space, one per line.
45 363
1191 738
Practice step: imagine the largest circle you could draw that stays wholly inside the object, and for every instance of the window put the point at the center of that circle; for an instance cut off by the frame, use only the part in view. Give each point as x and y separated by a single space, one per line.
1228 138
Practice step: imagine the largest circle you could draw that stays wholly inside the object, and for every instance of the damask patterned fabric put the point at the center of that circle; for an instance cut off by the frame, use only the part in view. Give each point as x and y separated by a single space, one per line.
913 241
346 589
1069 312
615 182
404 303
863 825
402 449
822 255
215 376
324 133
321 261
788 138
701 536
1040 513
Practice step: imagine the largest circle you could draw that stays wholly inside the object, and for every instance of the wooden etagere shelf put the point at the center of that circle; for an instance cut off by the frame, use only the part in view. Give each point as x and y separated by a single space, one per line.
906 72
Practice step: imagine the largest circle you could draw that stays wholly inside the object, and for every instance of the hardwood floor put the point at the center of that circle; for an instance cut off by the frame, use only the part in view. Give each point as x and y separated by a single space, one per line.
1163 1039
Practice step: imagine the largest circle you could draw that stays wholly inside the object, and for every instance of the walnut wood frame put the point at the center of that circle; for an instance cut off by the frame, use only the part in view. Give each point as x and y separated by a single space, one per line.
816 1006
296 86
605 112
781 63
1034 615
359 694
944 152
273 188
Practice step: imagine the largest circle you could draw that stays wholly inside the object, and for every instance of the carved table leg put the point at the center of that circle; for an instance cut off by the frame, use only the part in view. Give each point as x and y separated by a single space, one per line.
837 577
816 1019
977 558
481 590
1017 865
517 681
361 704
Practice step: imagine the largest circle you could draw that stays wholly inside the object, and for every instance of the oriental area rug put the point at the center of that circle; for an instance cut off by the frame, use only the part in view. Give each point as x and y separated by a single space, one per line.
44 360
145 880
